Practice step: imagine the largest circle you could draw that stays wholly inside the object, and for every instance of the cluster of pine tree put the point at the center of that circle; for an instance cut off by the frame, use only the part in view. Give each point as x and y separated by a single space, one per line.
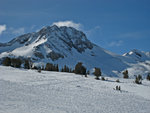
67 69
79 68
51 67
27 64
14 62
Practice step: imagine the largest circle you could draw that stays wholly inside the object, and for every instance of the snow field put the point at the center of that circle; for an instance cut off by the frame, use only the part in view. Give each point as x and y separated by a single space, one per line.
28 91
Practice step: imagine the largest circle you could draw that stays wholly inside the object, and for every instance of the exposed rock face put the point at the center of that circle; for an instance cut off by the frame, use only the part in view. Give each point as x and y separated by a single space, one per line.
70 37
54 56
39 55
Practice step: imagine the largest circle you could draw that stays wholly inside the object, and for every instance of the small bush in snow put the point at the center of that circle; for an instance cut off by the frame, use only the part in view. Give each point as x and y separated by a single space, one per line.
117 80
103 78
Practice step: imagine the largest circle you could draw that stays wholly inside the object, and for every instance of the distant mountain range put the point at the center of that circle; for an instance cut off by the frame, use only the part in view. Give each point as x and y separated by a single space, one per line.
67 46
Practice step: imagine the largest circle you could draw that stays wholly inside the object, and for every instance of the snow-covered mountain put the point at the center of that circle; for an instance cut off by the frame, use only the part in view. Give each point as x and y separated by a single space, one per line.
138 55
67 46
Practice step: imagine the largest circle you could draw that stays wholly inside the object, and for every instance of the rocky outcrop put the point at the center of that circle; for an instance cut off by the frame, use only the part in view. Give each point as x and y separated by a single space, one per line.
54 56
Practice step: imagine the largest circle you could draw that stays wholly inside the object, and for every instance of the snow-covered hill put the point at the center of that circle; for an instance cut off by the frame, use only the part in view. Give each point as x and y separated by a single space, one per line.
28 91
67 46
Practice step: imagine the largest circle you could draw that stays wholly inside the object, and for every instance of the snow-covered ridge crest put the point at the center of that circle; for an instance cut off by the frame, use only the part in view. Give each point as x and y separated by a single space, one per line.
138 55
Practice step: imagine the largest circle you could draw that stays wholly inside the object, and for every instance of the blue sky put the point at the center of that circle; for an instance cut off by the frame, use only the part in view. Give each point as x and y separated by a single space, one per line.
116 25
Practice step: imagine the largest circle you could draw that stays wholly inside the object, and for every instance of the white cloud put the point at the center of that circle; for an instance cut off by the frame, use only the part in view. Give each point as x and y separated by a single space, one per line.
68 24
18 31
116 43
2 28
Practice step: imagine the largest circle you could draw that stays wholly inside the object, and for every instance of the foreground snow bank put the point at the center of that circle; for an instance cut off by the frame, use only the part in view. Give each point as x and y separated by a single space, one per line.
28 91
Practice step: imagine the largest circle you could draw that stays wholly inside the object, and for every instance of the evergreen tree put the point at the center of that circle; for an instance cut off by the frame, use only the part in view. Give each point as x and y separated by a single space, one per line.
7 61
148 76
26 64
62 70
16 62
97 73
70 70
52 67
80 69
65 69
138 79
57 68
73 71
125 74
49 67
83 70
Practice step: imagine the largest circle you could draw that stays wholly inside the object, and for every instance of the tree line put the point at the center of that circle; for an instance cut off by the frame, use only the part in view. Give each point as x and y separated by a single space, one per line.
79 68
27 64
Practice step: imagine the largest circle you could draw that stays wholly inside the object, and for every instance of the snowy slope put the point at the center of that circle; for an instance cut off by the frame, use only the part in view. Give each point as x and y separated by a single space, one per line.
28 91
67 46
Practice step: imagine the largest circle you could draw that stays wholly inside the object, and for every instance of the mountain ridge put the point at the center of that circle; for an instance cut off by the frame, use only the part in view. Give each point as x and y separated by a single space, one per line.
67 46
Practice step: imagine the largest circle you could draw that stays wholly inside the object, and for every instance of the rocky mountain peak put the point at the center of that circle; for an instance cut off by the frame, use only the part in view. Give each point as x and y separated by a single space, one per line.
50 42
65 36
